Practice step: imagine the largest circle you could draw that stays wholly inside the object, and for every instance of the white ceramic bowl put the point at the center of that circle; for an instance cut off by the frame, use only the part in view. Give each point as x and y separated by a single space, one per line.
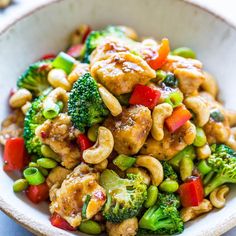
46 30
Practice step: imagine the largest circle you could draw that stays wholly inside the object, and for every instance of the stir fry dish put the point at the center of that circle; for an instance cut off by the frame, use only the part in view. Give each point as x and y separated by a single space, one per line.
120 135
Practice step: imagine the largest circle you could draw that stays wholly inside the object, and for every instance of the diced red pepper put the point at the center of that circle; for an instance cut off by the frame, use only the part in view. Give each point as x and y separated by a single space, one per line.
12 92
144 95
57 221
37 193
191 193
48 56
159 59
178 118
15 155
75 50
83 142
86 33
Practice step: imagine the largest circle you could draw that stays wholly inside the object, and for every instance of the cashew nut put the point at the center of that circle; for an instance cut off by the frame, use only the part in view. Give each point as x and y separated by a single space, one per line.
231 142
142 172
153 165
217 197
190 213
200 107
159 114
79 70
110 101
101 149
203 152
209 84
26 107
20 97
231 115
101 166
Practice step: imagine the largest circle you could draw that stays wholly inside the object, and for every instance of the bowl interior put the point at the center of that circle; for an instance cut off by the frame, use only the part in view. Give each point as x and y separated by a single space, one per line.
47 31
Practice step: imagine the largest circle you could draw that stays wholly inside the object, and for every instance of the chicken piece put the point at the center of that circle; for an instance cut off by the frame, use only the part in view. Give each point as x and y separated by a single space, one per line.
12 126
127 227
79 70
56 176
57 135
171 144
130 129
68 200
120 72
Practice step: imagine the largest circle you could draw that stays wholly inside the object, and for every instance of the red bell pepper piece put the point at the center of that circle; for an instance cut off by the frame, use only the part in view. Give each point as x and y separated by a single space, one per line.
48 56
86 33
83 142
191 193
178 118
37 193
57 221
15 155
159 58
144 95
75 50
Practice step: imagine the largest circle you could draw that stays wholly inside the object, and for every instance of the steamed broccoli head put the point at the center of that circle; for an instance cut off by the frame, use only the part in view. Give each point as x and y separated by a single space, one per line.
35 78
223 165
125 196
33 119
162 218
169 171
85 106
95 38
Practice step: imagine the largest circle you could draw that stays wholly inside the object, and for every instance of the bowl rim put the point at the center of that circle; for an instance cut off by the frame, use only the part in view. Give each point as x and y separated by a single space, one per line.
24 220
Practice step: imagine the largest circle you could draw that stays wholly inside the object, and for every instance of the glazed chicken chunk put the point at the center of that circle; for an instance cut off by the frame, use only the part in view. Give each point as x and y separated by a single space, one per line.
130 129
68 200
57 134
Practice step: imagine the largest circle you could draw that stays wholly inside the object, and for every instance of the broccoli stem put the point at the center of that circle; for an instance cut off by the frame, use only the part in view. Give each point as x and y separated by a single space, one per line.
214 183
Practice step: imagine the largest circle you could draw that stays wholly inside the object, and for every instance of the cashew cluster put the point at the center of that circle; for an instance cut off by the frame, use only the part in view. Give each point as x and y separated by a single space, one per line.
142 172
200 107
101 149
209 84
110 101
159 114
20 98
153 166
217 197
203 152
190 213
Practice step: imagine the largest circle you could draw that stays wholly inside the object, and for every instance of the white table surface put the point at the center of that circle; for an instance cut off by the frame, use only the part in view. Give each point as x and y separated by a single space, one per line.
226 8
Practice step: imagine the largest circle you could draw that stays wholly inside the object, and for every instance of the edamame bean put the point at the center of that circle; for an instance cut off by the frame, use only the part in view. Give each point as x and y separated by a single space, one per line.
152 194
93 133
184 52
169 186
47 163
49 153
186 168
90 227
200 138
20 185
203 167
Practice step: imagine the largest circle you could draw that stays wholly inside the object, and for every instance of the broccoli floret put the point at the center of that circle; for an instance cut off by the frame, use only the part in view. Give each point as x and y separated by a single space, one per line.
85 106
162 218
169 171
223 165
95 38
33 119
35 78
125 197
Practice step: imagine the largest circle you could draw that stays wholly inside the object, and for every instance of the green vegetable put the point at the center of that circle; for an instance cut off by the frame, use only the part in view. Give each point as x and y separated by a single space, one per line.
64 61
169 186
35 78
85 205
51 110
203 167
33 176
186 168
184 52
124 99
152 194
41 169
187 152
47 163
125 196
223 165
124 162
90 227
49 153
160 74
174 99
170 81
217 116
33 119
162 218
93 133
200 139
20 185
168 170
85 105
